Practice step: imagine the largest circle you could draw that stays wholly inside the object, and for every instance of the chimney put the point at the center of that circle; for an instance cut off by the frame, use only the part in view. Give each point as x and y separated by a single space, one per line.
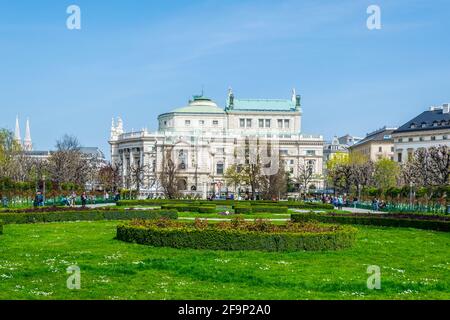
446 108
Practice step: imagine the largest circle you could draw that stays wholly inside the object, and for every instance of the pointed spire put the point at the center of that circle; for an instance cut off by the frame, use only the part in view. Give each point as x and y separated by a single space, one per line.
17 137
27 143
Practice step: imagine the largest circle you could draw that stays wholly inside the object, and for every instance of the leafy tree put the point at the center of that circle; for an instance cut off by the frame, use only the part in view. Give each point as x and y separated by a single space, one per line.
386 173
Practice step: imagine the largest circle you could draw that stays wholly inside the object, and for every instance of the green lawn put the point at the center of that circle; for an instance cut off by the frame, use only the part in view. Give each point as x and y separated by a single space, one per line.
415 264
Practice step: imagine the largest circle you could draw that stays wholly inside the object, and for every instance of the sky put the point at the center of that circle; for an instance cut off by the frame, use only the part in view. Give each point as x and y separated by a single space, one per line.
139 58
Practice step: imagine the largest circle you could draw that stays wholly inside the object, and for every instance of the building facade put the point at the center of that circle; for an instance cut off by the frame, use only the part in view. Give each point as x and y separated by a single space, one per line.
376 145
430 128
203 140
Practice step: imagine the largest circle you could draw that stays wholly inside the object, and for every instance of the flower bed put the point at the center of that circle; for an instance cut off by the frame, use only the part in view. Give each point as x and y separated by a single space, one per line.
428 222
238 235
42 216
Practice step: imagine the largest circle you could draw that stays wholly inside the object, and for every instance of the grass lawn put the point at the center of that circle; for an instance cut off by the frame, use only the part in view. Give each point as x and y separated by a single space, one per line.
415 264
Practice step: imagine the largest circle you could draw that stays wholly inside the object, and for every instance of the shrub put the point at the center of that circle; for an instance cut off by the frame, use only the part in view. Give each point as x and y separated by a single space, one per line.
239 235
242 209
386 220
86 215
190 208
269 209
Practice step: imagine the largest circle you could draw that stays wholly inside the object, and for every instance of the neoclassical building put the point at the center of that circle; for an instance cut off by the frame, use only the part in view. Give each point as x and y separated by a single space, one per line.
204 139
430 128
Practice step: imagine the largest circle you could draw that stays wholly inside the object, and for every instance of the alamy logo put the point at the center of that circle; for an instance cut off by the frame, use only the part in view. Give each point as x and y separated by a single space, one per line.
374 280
74 20
74 280
374 20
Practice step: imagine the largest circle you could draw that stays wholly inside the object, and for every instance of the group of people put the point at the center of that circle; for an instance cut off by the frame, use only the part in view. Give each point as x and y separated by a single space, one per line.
339 201
378 204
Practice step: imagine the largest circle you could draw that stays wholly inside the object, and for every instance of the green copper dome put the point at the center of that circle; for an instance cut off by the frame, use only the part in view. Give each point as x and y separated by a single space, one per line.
200 104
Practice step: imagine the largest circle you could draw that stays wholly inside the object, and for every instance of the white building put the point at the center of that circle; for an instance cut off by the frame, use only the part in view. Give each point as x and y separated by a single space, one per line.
430 128
204 140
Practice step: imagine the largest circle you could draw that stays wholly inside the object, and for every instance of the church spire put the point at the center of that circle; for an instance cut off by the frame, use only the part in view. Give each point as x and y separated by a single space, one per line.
17 137
27 143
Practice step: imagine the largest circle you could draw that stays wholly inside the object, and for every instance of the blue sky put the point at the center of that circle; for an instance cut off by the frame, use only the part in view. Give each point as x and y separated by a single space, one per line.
138 59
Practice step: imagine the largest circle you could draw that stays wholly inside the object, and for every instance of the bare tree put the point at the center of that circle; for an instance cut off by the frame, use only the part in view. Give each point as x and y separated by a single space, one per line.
68 165
439 164
305 174
168 175
109 177
273 186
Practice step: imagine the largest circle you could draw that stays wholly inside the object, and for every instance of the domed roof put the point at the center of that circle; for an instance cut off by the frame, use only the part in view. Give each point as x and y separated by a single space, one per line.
200 104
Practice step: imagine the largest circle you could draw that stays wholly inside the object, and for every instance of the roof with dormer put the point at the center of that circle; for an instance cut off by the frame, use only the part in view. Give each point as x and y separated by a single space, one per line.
435 119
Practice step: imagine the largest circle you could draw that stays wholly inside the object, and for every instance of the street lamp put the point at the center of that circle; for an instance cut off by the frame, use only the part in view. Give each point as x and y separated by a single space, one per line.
411 184
43 189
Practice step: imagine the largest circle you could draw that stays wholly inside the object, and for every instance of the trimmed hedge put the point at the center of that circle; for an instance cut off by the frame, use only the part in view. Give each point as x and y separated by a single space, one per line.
190 208
1 227
289 204
259 209
242 209
374 220
90 215
213 239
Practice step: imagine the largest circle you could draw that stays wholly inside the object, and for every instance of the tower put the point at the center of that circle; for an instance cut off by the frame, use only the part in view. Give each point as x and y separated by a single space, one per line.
17 137
27 143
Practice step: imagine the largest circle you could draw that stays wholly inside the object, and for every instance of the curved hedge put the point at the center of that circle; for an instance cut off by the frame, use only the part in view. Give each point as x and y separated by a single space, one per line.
217 239
88 215
385 220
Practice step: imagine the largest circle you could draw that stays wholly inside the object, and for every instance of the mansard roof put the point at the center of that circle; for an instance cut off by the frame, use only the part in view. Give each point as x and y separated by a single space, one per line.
433 119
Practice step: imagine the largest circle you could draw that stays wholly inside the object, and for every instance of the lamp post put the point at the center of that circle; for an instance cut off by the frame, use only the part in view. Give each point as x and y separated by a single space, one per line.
43 189
411 184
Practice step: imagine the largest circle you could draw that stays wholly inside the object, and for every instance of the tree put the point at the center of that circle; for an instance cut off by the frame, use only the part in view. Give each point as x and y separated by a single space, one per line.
305 174
168 174
362 170
234 177
337 170
439 164
386 174
273 186
9 150
109 177
68 165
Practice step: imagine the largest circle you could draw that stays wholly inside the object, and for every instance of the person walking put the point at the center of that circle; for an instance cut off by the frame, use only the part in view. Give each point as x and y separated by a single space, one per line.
83 199
73 197
340 202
